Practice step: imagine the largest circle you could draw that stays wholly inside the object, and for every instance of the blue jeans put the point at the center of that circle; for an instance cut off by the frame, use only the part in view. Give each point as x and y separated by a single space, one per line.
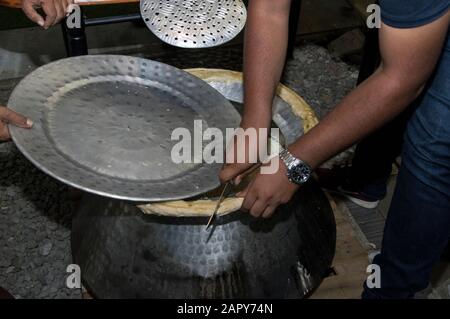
418 225
374 156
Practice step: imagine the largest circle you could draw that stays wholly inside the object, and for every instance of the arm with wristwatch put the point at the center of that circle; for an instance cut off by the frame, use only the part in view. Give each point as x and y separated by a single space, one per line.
372 104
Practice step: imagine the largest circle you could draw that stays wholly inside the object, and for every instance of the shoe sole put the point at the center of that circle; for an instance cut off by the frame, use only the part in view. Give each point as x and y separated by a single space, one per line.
362 203
354 200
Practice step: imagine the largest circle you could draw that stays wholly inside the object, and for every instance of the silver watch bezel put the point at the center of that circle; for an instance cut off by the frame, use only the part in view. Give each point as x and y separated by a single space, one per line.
291 161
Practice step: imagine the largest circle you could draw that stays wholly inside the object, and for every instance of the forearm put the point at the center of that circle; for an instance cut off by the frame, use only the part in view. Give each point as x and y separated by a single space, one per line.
367 108
409 58
266 38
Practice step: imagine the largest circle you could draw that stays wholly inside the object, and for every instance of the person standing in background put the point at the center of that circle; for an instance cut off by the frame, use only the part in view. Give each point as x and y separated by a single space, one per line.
415 50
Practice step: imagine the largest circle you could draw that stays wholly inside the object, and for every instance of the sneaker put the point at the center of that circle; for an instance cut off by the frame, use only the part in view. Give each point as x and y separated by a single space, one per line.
335 181
358 198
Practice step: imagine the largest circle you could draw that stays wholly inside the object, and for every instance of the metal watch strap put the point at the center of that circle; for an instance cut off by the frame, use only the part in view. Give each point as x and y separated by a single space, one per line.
287 158
290 159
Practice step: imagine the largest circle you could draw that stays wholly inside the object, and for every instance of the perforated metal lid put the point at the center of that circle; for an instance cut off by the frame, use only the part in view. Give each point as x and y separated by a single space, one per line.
194 23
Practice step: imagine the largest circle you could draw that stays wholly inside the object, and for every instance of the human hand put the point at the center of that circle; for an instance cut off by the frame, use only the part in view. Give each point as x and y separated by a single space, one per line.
267 191
8 116
241 156
55 11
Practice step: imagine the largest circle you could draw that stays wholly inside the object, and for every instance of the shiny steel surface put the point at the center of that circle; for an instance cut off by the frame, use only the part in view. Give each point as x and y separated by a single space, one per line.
125 254
104 123
194 23
290 125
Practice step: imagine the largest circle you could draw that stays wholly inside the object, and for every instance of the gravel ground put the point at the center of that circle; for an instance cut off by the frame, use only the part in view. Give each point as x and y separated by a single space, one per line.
322 81
36 210
35 216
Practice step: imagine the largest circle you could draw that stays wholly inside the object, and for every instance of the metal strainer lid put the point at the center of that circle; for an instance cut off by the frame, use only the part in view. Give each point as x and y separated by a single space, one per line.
194 23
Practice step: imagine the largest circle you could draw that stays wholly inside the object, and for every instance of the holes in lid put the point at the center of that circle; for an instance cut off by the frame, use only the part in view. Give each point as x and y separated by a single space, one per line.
184 23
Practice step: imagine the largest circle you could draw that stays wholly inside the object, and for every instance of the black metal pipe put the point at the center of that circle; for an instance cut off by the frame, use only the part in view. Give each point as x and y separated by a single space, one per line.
294 20
113 19
75 38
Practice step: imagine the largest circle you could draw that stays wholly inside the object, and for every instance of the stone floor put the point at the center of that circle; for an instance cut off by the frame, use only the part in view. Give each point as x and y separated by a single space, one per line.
35 217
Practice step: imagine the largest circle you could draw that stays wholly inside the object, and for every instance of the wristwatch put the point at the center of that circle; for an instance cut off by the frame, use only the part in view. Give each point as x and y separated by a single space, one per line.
298 171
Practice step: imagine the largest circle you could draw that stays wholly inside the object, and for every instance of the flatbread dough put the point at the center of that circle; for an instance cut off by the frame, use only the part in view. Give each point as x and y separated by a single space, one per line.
203 207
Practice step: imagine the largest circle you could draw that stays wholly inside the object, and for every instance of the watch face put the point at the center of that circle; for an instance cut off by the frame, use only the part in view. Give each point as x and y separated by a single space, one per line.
300 173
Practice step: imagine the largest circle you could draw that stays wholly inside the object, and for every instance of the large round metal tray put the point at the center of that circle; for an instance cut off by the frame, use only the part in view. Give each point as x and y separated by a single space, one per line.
194 23
104 123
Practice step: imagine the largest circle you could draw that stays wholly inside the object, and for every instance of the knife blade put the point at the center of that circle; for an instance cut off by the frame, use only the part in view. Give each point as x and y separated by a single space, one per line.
221 198
225 192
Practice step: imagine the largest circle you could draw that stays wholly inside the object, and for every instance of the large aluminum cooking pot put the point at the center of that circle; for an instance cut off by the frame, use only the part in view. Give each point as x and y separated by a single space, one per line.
162 250
126 254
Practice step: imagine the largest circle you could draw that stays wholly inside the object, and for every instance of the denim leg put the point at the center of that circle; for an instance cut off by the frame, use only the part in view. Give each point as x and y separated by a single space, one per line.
418 225
416 233
374 156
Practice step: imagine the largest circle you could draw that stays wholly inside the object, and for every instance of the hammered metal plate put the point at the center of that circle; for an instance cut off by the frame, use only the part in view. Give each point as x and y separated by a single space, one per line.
194 23
104 123
290 124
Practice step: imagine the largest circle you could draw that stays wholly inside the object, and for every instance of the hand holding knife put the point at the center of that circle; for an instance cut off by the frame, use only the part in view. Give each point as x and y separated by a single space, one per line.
226 191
